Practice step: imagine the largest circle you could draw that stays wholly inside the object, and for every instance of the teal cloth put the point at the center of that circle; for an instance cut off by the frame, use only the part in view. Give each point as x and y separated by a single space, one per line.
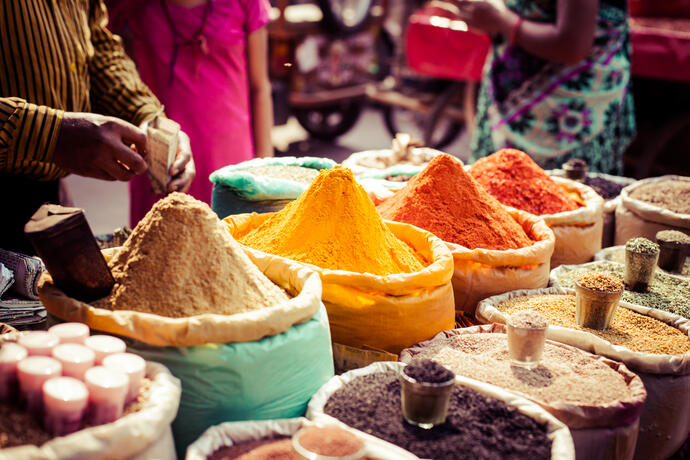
271 378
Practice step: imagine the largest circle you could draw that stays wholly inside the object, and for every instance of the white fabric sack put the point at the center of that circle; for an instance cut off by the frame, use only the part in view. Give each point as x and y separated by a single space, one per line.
601 432
480 273
637 218
371 162
665 420
562 443
141 435
610 205
227 434
578 232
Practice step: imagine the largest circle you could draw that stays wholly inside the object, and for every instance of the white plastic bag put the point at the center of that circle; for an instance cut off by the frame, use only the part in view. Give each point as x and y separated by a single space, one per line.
637 218
144 434
230 433
562 443
578 232
665 420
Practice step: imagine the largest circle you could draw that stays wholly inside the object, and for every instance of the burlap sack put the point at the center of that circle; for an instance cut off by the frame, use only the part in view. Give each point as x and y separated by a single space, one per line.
665 420
387 312
637 218
481 273
562 442
151 329
141 435
579 232
227 434
607 431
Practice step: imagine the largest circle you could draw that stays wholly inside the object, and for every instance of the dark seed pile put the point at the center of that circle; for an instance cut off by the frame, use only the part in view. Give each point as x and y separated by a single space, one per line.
477 427
604 187
428 371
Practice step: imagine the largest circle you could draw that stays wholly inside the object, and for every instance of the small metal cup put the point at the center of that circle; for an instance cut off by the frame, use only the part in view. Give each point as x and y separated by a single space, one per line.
595 309
576 172
639 270
525 345
425 404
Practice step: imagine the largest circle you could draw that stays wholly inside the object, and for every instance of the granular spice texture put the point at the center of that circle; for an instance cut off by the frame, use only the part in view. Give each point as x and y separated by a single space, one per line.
428 371
665 292
673 195
617 254
629 329
477 427
641 246
513 178
335 225
180 261
298 174
604 187
331 441
446 201
563 374
527 319
673 236
601 282
279 448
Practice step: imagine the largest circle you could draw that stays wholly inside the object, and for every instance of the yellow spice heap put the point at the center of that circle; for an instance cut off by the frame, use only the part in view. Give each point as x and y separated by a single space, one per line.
334 225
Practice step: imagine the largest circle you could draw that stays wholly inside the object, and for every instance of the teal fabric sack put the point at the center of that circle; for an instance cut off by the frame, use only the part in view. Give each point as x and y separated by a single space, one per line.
271 378
255 188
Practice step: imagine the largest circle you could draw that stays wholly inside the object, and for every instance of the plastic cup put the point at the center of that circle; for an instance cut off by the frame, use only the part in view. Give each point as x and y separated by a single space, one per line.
639 270
425 404
525 345
309 453
576 171
672 254
595 309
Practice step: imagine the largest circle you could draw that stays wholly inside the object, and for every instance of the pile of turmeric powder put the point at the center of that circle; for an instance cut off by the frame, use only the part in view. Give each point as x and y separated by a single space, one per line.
335 225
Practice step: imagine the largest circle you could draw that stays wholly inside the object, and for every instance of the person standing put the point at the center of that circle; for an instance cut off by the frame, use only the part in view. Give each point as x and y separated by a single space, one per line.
206 60
70 102
557 81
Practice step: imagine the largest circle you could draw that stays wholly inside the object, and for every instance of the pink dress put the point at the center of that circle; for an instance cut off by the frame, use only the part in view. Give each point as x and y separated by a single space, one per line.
208 94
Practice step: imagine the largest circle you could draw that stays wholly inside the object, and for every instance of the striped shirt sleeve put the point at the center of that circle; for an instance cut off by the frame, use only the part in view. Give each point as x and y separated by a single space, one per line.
28 135
116 88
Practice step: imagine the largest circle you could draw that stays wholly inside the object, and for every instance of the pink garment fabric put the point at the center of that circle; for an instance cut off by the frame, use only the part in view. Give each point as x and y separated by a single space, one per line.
208 95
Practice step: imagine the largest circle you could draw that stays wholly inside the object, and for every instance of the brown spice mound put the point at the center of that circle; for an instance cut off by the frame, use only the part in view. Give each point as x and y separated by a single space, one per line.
629 329
527 319
673 195
18 427
448 202
601 282
180 261
563 374
278 448
295 173
331 441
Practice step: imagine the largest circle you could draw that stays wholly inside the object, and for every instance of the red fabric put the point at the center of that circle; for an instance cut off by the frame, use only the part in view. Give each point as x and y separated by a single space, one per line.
437 48
673 8
661 48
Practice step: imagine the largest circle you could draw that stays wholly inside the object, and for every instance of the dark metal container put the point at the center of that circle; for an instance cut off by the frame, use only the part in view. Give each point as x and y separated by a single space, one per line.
63 239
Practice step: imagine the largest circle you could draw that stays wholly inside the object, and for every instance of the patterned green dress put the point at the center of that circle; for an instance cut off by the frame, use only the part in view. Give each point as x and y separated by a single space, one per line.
556 112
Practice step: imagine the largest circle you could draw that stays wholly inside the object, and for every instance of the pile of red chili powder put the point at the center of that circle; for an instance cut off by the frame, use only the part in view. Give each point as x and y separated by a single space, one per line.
513 178
446 201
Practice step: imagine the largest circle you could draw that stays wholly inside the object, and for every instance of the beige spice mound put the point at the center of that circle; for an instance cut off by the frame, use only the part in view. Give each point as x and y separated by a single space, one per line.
180 261
630 329
19 428
563 374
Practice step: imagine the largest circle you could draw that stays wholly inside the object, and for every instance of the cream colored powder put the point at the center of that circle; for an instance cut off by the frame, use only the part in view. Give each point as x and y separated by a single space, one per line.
180 261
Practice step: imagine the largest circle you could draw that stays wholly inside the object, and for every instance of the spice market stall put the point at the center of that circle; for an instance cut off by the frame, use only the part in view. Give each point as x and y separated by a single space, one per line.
248 339
652 343
604 423
572 210
494 248
386 285
482 420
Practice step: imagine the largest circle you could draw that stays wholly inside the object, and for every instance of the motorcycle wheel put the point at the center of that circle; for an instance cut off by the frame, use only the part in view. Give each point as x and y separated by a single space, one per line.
345 16
401 120
328 122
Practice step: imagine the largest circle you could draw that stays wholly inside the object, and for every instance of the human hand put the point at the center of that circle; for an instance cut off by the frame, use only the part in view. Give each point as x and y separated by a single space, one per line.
97 146
183 170
488 16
